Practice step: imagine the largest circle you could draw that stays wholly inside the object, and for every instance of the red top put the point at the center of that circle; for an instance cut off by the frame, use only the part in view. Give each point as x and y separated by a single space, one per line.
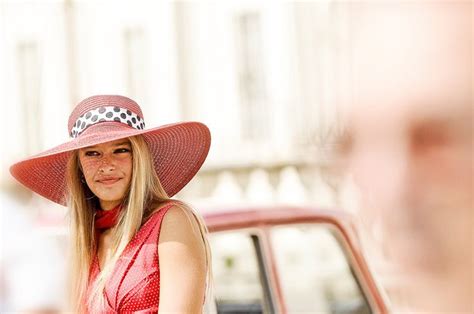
135 282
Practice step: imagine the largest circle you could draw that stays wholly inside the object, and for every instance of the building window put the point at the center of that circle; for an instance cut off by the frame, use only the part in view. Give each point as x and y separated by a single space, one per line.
251 76
29 88
135 63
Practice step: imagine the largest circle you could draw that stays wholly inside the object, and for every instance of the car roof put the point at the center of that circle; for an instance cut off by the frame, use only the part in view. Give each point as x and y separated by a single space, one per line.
241 217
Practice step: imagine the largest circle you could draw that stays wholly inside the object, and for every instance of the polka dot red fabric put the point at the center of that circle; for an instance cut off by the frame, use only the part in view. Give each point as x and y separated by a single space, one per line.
135 283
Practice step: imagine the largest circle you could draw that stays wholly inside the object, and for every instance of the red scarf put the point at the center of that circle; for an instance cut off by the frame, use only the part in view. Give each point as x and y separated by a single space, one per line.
105 219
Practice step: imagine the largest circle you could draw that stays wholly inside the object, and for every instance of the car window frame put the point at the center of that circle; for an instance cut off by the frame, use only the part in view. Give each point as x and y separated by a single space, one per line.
256 235
347 250
259 218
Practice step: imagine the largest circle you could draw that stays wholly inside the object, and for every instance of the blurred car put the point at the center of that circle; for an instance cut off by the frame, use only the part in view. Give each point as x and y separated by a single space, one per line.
289 260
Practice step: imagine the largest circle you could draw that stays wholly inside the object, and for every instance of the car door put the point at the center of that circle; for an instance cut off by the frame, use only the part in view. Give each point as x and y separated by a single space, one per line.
316 270
305 267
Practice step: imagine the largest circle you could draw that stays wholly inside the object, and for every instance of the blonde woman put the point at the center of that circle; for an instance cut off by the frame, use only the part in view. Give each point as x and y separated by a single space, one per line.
133 249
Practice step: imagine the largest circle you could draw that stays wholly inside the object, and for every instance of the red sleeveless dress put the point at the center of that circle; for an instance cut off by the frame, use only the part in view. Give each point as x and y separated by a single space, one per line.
135 283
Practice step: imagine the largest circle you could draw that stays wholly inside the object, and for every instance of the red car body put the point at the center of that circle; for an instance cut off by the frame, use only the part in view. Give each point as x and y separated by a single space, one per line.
264 219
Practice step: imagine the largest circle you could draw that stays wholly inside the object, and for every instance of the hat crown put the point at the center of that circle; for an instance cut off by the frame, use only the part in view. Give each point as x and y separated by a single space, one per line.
95 102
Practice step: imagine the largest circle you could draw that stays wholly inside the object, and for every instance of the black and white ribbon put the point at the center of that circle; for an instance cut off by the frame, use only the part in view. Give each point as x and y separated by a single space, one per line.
107 114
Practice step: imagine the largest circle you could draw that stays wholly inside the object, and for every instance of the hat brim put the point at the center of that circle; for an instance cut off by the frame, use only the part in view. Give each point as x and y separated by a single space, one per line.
178 152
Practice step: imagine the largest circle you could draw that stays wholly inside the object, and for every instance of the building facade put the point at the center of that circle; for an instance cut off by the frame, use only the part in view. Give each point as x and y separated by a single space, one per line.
267 78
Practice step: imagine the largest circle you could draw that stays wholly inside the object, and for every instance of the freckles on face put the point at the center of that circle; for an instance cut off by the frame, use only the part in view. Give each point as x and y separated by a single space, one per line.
107 170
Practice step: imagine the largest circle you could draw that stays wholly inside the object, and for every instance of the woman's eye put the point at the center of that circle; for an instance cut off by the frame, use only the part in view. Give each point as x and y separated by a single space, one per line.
122 150
91 153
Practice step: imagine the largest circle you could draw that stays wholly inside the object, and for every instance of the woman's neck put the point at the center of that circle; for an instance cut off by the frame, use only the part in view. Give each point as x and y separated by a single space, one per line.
108 205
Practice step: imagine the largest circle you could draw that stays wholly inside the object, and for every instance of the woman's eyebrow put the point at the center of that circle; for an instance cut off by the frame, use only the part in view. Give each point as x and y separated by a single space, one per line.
122 143
118 144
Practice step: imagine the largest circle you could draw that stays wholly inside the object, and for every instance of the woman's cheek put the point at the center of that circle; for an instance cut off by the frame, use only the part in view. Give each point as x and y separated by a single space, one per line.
89 168
125 165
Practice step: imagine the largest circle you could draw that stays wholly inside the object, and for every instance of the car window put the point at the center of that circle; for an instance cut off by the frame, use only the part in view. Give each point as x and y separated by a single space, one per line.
314 271
239 279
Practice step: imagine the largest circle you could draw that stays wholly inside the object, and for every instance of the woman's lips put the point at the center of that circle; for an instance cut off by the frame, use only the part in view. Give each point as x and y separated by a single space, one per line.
109 181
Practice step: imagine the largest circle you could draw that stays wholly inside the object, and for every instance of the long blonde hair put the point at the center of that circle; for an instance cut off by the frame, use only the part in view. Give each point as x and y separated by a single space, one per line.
145 194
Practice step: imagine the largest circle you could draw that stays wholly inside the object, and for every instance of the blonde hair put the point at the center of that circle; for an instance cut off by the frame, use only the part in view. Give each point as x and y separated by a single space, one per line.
145 194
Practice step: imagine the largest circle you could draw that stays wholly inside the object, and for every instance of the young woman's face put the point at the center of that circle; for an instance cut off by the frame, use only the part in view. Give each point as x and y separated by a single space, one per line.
107 170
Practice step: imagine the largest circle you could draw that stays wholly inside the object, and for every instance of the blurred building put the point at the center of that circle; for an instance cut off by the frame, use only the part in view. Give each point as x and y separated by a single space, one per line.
268 78
265 77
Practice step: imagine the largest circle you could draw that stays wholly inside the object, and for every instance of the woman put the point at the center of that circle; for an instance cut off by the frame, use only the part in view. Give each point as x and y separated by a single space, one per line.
133 248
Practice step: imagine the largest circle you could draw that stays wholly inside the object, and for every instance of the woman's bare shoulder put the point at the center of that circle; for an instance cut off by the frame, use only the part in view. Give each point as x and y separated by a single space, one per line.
179 224
182 260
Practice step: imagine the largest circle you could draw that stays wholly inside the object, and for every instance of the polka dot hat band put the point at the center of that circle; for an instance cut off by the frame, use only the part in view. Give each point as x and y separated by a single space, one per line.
107 113
178 149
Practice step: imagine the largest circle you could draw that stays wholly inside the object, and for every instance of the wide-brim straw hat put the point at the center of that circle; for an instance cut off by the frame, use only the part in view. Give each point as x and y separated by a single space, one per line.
178 149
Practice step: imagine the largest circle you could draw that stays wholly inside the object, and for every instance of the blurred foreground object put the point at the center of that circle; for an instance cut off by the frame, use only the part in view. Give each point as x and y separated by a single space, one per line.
408 145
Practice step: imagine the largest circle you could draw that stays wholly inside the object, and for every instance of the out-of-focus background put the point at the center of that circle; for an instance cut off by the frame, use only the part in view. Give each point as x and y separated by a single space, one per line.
264 76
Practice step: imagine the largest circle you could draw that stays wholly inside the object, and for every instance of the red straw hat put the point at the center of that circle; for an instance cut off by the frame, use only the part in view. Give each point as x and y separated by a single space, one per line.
178 149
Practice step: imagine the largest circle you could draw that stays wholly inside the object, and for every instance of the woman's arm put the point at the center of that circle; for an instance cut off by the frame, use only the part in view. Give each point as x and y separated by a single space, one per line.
182 263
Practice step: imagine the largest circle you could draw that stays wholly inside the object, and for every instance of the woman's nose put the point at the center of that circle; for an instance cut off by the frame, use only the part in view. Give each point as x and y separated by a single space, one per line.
107 163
